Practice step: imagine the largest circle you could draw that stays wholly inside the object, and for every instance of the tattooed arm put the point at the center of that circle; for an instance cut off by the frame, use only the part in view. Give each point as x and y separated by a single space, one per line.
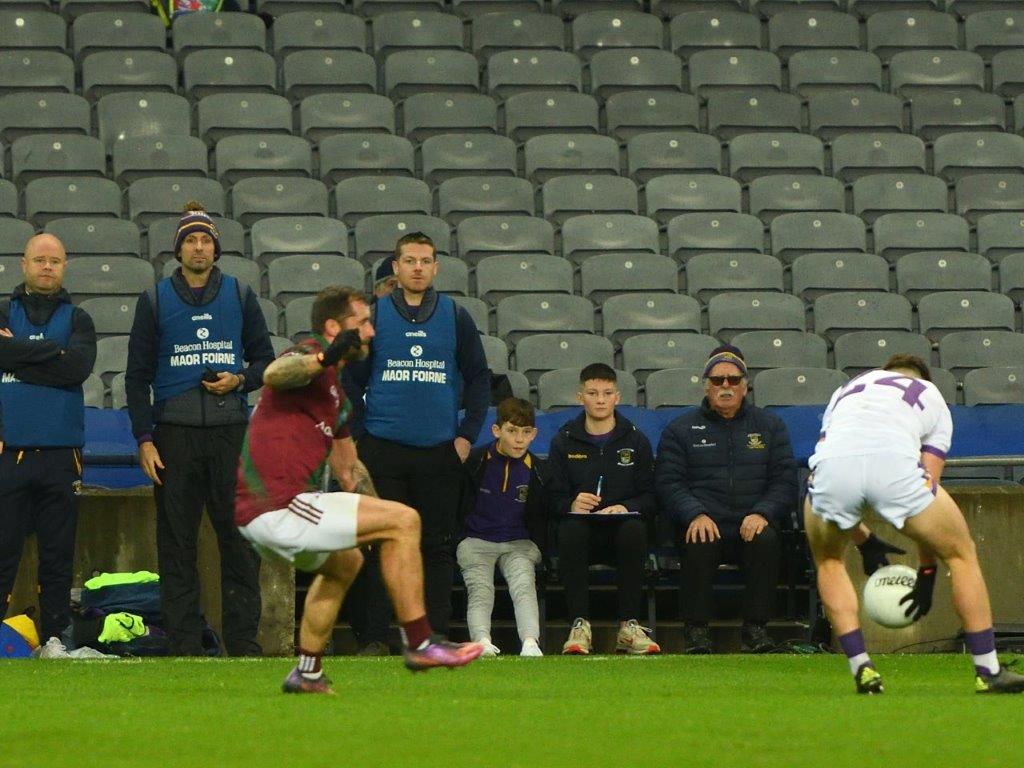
363 481
292 371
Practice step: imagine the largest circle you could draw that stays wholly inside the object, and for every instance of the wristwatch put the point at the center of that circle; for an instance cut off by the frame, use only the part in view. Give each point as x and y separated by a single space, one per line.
241 382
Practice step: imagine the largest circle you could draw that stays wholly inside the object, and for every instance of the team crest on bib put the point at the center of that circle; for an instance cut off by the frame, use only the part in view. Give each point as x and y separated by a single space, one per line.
754 441
626 457
521 492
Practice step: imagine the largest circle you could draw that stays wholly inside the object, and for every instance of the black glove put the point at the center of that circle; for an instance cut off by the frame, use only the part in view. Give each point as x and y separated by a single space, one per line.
920 597
874 551
346 346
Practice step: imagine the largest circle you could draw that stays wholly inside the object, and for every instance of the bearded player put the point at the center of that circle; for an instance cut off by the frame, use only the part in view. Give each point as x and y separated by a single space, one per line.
298 430
883 444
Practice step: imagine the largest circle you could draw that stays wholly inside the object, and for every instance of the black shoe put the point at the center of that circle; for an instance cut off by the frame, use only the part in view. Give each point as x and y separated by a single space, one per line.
696 639
374 648
868 680
1003 681
755 639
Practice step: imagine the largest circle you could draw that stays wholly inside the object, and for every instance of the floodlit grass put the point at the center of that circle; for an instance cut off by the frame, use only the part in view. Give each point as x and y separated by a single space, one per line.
716 711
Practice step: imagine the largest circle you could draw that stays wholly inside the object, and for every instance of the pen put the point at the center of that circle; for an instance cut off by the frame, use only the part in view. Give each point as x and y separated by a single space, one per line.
600 481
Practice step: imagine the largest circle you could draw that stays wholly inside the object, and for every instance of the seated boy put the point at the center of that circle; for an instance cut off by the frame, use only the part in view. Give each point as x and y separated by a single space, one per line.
503 526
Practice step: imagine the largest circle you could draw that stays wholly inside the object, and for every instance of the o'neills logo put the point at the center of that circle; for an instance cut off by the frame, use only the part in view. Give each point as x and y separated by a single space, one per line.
896 581
207 316
415 334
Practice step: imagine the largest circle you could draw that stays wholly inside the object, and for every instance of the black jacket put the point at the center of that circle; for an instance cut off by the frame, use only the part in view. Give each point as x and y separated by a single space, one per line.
625 462
535 514
44 362
726 468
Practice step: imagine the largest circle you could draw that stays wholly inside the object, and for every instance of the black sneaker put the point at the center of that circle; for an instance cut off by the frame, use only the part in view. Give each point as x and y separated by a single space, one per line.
755 639
868 680
696 639
1003 681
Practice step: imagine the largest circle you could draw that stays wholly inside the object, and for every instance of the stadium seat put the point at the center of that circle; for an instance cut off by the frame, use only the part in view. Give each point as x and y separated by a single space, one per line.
165 156
415 30
527 313
111 315
632 70
480 312
940 313
699 30
156 197
452 276
769 8
899 233
567 196
245 270
796 386
793 234
516 72
297 321
648 352
119 71
466 196
670 195
716 70
1008 73
621 234
113 29
41 155
913 72
10 266
408 72
544 352
483 236
1000 234
107 276
127 116
939 112
882 193
781 349
314 29
603 30
55 196
514 30
859 351
22 114
212 71
674 388
557 389
261 196
346 155
628 314
31 29
72 9
815 274
289 235
891 32
985 386
308 73
982 193
223 31
962 154
450 155
326 114
799 30
83 236
771 196
376 235
162 230
225 114
928 272
14 235
569 9
500 276
37 71
362 196
736 112
431 114
731 313
989 32
302 274
562 154
611 274
831 114
496 352
111 357
814 72
710 274
247 155
653 154
374 7
752 155
273 316
845 311
8 198
862 154
534 114
632 113
693 233
93 390
960 351
1011 277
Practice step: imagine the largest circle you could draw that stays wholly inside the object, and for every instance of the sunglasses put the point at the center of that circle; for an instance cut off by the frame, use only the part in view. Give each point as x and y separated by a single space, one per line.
720 380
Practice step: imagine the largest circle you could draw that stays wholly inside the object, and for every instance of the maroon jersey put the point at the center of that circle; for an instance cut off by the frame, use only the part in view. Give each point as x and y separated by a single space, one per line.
288 440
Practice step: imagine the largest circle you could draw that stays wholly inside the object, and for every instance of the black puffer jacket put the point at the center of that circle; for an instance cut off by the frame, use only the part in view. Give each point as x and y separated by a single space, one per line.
726 468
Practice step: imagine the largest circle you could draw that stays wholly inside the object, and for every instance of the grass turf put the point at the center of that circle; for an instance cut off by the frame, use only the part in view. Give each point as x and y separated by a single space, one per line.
721 711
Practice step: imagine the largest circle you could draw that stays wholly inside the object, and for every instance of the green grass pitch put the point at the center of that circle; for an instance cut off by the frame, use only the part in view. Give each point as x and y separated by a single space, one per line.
721 711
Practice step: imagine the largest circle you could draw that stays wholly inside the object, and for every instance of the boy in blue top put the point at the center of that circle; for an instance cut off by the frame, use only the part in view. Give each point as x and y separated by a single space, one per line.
503 526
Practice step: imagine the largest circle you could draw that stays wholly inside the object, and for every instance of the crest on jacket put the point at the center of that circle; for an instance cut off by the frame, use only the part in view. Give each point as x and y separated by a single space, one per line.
754 441
626 457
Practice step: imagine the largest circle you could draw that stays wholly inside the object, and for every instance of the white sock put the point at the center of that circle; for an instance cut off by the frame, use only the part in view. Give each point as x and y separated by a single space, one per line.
858 661
988 661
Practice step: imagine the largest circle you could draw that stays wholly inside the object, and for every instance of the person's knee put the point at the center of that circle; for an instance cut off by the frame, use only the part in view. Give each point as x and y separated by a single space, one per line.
405 521
767 541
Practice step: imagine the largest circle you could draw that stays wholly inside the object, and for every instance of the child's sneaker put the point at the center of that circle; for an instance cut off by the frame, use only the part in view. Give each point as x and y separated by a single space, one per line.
634 639
579 642
530 648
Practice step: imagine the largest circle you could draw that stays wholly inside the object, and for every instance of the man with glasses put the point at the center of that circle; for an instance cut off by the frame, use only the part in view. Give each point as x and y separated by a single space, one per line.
726 477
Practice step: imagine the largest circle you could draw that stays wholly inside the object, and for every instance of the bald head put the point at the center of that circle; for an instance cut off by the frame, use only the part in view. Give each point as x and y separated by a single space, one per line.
43 264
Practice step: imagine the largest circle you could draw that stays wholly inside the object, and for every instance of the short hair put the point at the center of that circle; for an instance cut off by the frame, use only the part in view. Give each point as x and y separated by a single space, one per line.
515 411
333 303
599 371
419 238
909 361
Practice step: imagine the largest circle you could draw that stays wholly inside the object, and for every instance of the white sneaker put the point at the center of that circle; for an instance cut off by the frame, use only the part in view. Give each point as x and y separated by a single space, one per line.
530 648
490 649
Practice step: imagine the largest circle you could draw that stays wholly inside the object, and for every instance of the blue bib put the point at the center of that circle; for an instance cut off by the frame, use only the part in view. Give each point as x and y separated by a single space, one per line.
415 388
193 337
37 416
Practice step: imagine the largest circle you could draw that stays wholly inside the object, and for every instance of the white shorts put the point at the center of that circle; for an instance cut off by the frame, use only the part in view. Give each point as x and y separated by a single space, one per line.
308 530
842 488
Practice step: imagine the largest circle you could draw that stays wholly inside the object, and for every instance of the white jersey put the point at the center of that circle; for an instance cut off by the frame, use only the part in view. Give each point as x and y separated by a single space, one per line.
885 412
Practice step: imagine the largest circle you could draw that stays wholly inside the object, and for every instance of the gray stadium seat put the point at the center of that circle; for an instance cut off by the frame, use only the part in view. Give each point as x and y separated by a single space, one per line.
22 114
509 30
992 31
245 270
611 274
113 29
326 114
112 315
372 195
899 233
984 386
106 72
674 388
734 69
56 196
699 30
569 9
162 230
197 31
753 155
670 195
796 386
630 69
912 72
798 30
769 8
602 30
523 314
630 314
31 29
169 155
731 313
36 71
781 349
93 390
694 233
961 154
834 113
272 315
483 236
376 235
618 233
72 9
543 352
412 30
562 154
315 29
567 196
289 235
431 114
535 114
107 276
83 236
928 272
648 352
1011 276
960 351
793 234
44 154
480 312
940 313
733 113
654 154
261 197
466 196
455 154
127 116
816 72
157 197
14 234
710 274
8 198
496 352
297 320
510 274
111 357
452 276
1008 73
225 114
815 274
771 196
630 114
514 72
861 154
247 155
982 193
346 155
884 193
890 32
934 113
308 73
859 351
408 72
1000 234
212 71
302 274
845 311
10 268
557 389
